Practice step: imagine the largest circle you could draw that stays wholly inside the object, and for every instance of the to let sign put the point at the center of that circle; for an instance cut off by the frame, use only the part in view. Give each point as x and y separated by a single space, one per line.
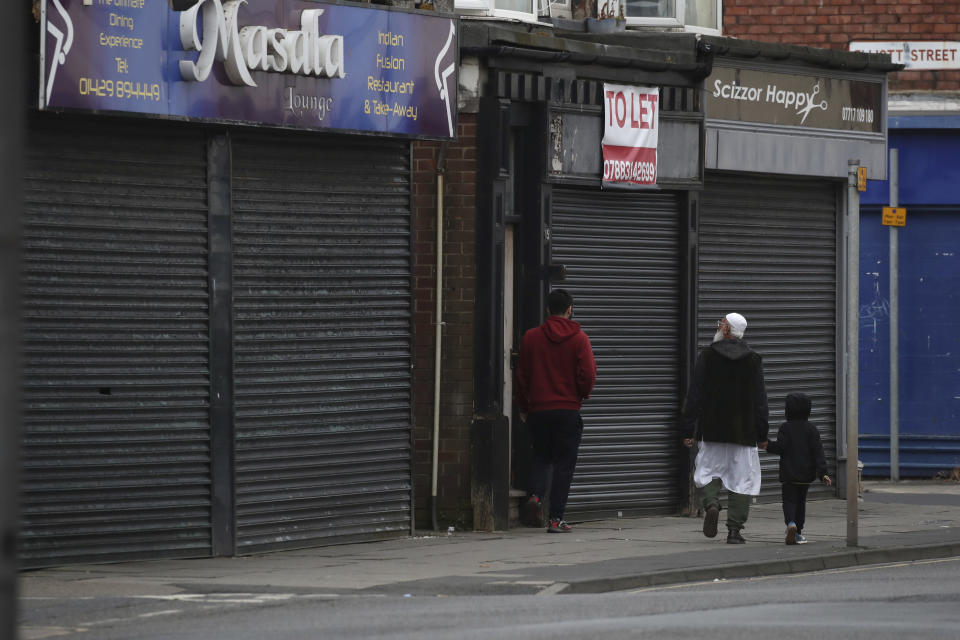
894 216
630 131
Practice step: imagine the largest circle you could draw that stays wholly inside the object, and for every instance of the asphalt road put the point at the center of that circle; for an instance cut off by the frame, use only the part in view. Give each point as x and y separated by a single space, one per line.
906 600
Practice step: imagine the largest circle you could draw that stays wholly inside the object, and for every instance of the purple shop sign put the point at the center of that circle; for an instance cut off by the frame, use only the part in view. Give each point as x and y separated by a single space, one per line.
293 63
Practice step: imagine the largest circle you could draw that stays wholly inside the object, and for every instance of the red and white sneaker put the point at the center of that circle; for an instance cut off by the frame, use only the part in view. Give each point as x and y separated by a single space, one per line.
559 526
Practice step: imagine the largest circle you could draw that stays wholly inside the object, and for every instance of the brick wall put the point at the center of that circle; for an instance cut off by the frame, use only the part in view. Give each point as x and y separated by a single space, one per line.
459 268
832 24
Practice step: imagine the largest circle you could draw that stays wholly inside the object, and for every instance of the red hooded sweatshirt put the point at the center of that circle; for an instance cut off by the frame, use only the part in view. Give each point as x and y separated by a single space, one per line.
556 369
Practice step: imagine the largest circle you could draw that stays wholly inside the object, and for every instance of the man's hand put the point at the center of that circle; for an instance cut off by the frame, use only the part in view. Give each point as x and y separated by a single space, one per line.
827 481
523 417
688 442
762 445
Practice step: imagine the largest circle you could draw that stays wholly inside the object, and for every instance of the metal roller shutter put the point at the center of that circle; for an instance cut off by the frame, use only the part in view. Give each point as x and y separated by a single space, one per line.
622 253
768 250
322 339
116 385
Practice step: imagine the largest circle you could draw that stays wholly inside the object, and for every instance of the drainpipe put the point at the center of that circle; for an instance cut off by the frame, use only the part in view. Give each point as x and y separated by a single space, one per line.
438 332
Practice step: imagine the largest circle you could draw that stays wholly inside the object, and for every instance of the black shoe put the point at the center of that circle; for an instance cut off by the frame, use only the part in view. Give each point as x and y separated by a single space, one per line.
710 522
791 534
533 512
734 537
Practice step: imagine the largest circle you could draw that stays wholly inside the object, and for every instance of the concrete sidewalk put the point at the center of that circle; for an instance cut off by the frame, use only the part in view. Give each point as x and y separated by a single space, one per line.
897 522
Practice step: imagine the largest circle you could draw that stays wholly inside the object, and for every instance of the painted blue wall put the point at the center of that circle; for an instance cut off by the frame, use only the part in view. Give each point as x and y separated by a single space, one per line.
929 165
929 310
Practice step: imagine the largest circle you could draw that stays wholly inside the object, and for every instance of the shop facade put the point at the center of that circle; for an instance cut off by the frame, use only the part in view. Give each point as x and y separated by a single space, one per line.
747 214
217 285
923 108
782 125
231 316
544 220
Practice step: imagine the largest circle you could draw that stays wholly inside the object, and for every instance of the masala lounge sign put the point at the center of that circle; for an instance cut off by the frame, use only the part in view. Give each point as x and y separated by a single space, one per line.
283 62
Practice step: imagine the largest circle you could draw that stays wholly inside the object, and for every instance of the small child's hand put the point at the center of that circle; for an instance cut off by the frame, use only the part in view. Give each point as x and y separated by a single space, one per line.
827 481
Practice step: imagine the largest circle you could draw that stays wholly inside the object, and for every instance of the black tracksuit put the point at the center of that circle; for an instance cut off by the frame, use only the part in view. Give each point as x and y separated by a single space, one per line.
801 458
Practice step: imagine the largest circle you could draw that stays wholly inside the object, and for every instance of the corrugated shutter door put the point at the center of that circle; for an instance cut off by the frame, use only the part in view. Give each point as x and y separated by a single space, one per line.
116 384
622 253
768 250
322 339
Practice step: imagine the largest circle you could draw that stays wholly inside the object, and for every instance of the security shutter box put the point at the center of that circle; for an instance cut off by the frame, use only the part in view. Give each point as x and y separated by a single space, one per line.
322 339
116 455
622 254
768 250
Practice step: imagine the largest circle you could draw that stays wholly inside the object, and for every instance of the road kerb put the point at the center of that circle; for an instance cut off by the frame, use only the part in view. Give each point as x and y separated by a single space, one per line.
763 568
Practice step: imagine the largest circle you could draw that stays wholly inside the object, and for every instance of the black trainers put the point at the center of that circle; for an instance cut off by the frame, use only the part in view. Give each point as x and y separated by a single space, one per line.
710 522
792 534
533 512
734 537
559 526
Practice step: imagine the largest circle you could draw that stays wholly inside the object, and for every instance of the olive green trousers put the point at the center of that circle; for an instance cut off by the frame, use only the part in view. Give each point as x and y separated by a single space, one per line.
738 504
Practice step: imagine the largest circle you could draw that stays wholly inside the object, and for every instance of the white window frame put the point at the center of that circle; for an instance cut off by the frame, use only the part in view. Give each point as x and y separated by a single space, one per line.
488 8
677 21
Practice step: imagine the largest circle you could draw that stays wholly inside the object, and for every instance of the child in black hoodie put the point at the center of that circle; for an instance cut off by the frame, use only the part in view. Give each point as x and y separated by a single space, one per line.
801 462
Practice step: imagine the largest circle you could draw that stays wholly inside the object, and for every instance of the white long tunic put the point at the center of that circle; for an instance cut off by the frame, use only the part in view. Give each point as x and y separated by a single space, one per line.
737 466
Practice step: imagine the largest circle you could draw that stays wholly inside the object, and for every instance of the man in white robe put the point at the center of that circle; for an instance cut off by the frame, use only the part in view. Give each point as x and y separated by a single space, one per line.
726 410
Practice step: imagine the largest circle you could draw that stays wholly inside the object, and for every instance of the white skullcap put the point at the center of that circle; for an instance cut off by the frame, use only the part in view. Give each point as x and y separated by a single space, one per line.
738 324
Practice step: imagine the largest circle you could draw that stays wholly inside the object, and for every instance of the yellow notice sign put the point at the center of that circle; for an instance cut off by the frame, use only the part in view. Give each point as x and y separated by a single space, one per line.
894 216
861 178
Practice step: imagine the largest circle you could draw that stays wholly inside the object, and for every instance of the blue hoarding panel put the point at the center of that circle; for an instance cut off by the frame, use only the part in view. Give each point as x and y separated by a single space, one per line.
929 168
929 363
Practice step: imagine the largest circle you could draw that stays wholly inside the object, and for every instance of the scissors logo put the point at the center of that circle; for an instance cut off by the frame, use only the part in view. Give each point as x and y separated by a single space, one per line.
811 105
64 41
442 76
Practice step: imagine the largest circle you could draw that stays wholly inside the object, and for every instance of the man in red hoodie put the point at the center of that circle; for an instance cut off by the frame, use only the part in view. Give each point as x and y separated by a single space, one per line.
555 375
